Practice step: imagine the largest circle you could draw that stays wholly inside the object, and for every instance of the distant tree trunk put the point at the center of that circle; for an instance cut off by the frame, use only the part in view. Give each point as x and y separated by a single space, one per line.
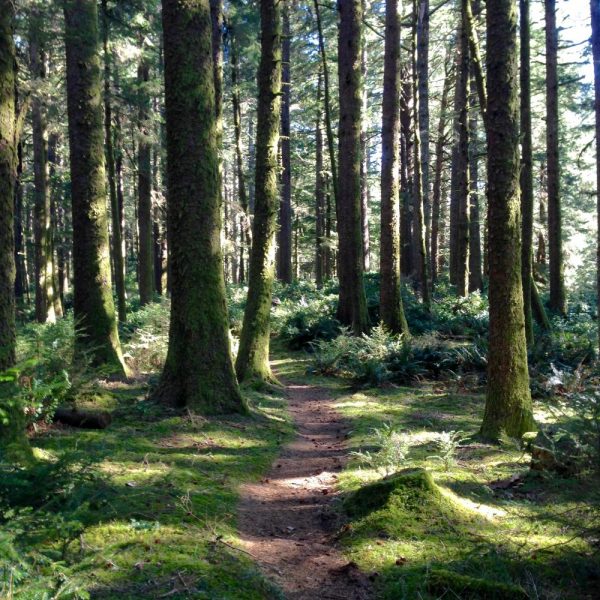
407 259
319 194
595 13
329 252
508 408
459 199
474 53
44 301
440 144
422 71
253 355
391 309
198 371
8 166
239 158
284 235
557 284
51 267
20 268
327 104
352 307
540 257
145 255
364 152
419 198
251 166
475 275
526 171
117 232
92 301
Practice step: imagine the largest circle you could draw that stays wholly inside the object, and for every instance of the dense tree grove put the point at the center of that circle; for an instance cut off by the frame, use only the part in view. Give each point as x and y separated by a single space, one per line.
208 206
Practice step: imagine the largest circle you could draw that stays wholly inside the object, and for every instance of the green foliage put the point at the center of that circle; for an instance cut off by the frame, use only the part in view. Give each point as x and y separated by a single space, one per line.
447 443
391 454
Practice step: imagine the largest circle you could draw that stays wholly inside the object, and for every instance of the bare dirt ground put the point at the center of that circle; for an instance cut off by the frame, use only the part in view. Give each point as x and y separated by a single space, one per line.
286 520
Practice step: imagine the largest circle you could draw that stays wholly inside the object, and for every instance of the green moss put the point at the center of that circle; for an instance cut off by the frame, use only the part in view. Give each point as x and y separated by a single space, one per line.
441 581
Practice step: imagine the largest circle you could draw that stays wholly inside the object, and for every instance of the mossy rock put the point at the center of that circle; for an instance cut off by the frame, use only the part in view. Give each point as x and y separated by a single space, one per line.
409 486
441 581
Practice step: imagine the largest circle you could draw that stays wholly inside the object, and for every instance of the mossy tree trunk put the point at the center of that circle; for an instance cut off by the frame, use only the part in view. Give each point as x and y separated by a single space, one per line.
595 14
459 198
117 233
144 212
284 234
391 309
555 251
508 407
198 371
253 355
93 305
437 199
352 306
44 293
526 171
8 166
245 241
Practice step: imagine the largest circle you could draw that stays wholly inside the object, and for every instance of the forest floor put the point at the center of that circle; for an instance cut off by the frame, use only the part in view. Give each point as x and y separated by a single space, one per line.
165 505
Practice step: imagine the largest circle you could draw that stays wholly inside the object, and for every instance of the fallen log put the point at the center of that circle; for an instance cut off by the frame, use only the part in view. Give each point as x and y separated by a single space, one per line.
84 419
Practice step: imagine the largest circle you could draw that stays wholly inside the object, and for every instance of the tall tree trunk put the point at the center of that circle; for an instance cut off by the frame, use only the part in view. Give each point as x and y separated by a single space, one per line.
44 301
364 152
329 252
422 71
469 12
117 232
239 159
352 307
475 275
407 259
459 199
391 309
440 144
595 14
253 355
419 198
284 235
319 193
557 284
145 255
327 104
8 166
198 371
508 408
526 171
92 300
51 266
20 267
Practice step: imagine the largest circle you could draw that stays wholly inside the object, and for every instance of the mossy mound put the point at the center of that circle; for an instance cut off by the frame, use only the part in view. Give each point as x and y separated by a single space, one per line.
404 503
442 582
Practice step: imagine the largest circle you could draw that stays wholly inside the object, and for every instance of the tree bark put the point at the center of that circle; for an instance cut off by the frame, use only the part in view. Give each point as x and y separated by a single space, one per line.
440 144
475 275
198 371
92 300
364 152
595 15
390 299
117 233
526 171
352 306
8 165
284 235
459 199
508 409
419 195
327 104
253 355
44 301
145 253
555 251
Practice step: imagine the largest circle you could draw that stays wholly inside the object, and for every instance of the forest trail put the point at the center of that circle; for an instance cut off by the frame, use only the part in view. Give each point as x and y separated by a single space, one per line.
286 520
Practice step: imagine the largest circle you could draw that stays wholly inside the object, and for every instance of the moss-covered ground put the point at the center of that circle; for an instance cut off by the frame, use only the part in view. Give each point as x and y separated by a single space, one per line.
147 507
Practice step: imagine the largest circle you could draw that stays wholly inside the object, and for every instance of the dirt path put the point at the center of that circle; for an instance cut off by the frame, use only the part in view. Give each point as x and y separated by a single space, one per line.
286 520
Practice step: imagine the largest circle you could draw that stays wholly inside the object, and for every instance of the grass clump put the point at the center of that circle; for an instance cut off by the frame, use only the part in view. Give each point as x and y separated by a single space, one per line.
442 582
